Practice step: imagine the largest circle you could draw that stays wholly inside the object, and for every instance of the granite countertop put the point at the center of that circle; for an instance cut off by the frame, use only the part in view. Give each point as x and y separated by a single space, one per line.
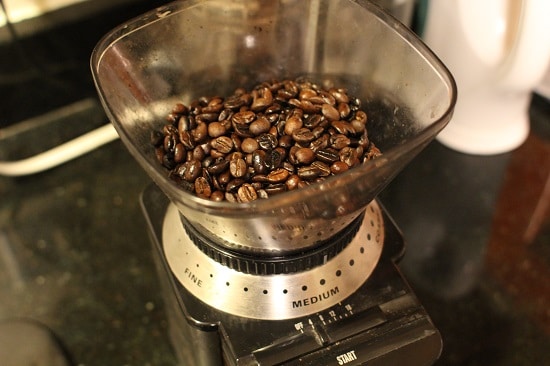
75 256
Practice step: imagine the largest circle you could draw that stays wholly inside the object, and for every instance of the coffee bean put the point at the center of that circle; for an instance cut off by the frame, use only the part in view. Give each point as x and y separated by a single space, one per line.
330 112
223 144
238 168
339 167
217 196
246 193
292 124
179 153
243 118
267 141
259 126
202 187
216 129
308 172
279 136
278 175
249 145
192 170
305 155
303 135
219 167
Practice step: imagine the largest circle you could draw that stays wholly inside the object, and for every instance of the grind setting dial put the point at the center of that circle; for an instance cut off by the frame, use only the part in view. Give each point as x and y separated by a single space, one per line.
260 264
281 292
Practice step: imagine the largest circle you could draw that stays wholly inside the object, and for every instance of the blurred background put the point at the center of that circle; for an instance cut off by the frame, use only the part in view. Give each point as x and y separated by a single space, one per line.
75 258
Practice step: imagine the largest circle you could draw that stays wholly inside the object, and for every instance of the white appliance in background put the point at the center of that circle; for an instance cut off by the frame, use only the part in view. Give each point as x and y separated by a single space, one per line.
498 52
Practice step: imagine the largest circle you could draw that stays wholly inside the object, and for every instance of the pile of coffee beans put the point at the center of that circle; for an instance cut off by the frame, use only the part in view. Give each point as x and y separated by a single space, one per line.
277 137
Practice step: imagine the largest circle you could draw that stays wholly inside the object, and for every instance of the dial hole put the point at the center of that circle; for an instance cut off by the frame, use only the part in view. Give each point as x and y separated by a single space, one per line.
322 282
338 273
285 291
265 292
304 288
245 289
351 262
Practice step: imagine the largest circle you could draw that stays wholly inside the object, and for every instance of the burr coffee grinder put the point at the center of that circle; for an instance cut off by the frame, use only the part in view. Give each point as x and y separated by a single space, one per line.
306 277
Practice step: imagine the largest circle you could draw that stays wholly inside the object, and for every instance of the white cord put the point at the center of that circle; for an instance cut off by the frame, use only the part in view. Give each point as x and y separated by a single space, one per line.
60 154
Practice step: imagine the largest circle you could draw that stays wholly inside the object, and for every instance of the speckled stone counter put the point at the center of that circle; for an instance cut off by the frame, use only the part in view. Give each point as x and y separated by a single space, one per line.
75 255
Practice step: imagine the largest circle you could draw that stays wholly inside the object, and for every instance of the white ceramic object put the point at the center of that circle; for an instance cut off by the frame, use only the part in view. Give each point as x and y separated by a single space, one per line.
498 52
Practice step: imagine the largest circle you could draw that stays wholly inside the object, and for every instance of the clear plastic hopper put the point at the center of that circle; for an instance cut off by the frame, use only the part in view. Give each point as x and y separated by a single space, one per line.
189 49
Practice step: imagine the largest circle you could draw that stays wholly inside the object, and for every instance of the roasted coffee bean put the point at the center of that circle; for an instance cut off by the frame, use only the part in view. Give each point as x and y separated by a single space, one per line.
292 124
313 120
323 168
219 166
242 129
372 153
358 126
292 182
303 135
273 159
340 95
234 184
258 162
246 193
267 141
273 109
193 169
261 99
308 172
217 196
249 145
320 143
361 116
187 140
308 107
200 133
180 108
179 153
243 118
202 187
327 155
222 144
339 167
259 126
344 128
216 129
238 168
330 112
278 175
344 109
304 155
198 153
339 141
272 189
279 136
288 166
348 155
224 177
231 197
233 102
184 124
169 142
